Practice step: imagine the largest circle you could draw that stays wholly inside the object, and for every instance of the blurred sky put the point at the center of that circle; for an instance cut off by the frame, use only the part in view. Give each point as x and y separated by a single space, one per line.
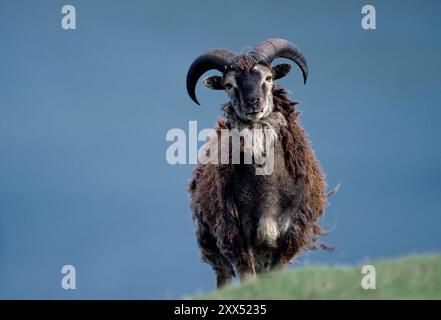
84 114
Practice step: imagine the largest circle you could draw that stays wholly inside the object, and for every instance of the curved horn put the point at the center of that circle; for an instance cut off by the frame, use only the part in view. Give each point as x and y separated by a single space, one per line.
218 59
266 51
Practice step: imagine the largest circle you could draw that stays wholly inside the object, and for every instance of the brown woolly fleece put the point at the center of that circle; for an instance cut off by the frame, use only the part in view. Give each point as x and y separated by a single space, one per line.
230 203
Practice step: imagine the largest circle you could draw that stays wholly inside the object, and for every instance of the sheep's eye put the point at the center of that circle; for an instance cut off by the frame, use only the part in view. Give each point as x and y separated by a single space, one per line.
228 86
269 78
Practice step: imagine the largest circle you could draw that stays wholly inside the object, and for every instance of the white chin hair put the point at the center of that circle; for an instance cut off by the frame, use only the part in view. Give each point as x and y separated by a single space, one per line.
255 116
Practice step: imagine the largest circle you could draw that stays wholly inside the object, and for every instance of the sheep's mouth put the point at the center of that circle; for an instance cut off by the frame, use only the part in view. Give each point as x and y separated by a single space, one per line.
254 113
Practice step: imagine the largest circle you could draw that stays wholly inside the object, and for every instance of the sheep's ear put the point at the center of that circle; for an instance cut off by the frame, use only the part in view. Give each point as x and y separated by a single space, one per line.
281 70
214 82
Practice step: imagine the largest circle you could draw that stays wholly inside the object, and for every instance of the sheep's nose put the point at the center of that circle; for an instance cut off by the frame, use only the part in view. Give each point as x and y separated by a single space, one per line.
252 102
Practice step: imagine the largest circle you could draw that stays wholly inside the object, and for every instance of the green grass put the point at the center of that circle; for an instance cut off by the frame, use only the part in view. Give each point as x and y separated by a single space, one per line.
415 277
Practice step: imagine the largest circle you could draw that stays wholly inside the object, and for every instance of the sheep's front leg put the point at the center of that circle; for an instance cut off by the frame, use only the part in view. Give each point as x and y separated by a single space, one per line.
245 264
210 252
231 238
223 276
233 245
289 246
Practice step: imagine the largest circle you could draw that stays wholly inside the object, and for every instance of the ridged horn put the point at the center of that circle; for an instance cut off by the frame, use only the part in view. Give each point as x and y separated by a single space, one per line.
268 50
218 59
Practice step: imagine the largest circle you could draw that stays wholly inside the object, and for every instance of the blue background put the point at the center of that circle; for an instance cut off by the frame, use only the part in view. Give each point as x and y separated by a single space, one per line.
84 114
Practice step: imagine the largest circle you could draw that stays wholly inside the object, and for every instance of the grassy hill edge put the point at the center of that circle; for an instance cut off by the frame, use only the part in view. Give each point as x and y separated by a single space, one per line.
413 277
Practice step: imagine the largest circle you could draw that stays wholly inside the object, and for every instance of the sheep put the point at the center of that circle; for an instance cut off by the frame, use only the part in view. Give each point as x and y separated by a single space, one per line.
248 223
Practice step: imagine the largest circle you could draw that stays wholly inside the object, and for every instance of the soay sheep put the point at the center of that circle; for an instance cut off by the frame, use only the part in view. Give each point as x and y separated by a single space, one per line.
248 223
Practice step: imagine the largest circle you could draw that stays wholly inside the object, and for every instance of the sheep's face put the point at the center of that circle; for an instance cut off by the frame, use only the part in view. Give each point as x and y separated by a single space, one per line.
249 86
